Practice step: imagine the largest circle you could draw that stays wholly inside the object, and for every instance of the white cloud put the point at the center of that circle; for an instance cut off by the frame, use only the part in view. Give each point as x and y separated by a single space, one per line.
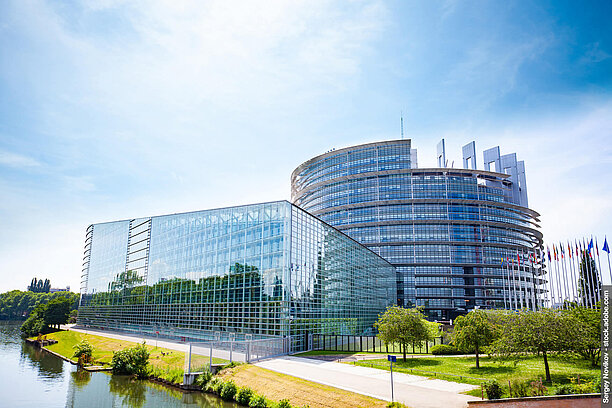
16 160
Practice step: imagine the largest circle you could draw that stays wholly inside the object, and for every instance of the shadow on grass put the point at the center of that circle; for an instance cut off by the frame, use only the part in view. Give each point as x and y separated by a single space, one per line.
417 362
488 370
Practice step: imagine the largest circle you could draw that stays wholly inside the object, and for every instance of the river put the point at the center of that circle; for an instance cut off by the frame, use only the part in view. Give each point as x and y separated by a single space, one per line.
33 378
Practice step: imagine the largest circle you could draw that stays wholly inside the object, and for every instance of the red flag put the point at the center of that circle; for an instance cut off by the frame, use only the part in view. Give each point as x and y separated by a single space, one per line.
596 248
518 259
569 250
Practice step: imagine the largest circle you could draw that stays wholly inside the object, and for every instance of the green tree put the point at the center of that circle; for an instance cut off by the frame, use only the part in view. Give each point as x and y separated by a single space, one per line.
474 331
35 323
589 285
403 326
542 332
588 342
58 311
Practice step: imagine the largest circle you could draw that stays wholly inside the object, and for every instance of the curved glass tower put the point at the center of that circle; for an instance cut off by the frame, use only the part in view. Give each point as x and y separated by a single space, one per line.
455 236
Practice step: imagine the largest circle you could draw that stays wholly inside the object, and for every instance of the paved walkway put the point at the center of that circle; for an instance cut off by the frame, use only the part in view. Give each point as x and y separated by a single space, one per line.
412 390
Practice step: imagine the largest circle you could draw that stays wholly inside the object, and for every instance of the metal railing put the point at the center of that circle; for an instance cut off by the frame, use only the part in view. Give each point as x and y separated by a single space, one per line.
366 344
202 355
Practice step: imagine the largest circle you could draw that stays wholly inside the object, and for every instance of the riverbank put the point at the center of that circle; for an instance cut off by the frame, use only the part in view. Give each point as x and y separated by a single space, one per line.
272 385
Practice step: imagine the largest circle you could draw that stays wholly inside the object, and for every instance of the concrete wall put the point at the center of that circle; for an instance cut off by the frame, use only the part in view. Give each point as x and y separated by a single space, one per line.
560 401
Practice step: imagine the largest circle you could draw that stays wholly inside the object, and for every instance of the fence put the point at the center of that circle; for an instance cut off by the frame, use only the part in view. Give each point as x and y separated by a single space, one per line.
203 355
370 344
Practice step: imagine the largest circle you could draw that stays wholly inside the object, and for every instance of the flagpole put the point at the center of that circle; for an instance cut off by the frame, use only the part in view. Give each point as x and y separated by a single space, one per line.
551 284
503 284
588 272
570 271
546 280
599 273
516 294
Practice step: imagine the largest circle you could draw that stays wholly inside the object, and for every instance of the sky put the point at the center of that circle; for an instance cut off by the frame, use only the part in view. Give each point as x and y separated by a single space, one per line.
116 109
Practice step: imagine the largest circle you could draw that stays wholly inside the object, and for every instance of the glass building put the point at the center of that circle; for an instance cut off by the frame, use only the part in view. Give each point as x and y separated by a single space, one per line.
449 232
267 269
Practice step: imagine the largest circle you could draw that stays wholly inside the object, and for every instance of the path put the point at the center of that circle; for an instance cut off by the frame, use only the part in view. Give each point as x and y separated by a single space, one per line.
412 390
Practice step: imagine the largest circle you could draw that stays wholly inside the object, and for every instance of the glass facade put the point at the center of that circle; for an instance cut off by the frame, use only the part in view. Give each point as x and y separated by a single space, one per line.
445 230
267 269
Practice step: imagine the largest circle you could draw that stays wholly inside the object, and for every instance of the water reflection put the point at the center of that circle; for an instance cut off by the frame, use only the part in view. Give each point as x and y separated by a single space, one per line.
80 378
130 391
32 378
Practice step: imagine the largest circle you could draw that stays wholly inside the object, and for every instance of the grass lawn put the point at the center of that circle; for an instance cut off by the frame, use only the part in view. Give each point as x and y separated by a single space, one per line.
104 347
276 386
349 353
526 368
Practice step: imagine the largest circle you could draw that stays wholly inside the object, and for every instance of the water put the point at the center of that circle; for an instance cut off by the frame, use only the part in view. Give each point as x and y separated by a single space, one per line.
30 377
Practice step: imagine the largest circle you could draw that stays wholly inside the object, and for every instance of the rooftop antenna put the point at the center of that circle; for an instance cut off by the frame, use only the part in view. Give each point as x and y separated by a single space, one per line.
402 123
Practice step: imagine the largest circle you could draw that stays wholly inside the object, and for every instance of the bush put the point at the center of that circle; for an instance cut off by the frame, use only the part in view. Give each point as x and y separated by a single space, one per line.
564 389
228 391
585 387
396 404
258 401
284 403
493 389
132 360
213 385
244 395
83 351
520 389
444 349
203 379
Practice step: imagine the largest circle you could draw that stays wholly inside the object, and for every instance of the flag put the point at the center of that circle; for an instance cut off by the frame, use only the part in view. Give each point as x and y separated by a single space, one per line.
605 246
591 246
596 247
576 249
548 249
569 250
562 251
518 259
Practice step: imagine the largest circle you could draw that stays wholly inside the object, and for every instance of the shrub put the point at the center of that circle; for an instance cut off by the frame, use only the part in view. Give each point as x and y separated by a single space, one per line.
258 401
244 395
214 384
284 403
520 389
537 388
228 390
132 360
396 404
83 351
493 389
564 389
203 379
443 349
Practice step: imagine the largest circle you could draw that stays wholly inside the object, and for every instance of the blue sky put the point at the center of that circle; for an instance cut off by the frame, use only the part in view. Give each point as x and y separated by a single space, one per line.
119 109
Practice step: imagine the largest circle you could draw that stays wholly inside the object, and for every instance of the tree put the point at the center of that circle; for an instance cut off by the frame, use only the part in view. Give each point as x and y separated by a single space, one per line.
541 332
588 342
403 326
35 323
588 281
58 311
39 286
474 331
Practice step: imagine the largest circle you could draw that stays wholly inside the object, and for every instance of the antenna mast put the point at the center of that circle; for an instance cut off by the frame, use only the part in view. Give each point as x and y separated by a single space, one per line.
402 123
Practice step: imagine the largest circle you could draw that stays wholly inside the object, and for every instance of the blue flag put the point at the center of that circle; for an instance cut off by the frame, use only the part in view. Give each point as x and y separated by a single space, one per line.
606 247
591 246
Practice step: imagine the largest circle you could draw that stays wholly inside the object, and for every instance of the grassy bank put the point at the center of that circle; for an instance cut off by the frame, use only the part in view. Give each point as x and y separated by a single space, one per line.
163 359
530 368
299 392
